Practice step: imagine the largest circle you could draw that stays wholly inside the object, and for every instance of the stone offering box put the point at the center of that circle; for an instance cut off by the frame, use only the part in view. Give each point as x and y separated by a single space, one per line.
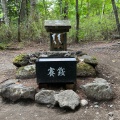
58 35
56 70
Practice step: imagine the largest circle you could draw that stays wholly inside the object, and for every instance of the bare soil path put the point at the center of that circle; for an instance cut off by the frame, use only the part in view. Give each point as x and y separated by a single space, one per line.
108 55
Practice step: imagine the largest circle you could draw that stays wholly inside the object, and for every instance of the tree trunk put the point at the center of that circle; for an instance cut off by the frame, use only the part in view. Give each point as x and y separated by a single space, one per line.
33 9
23 9
65 11
19 20
45 8
5 11
103 7
116 15
77 22
60 4
88 8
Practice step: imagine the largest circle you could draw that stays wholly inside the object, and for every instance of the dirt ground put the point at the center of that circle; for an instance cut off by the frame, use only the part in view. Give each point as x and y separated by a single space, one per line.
108 55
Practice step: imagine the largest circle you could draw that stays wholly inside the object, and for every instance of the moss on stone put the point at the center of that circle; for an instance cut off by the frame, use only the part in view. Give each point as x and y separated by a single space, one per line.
2 46
21 60
85 70
26 72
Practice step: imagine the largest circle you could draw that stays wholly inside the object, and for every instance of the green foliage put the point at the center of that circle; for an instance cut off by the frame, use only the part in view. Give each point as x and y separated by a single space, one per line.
2 46
96 29
8 33
92 25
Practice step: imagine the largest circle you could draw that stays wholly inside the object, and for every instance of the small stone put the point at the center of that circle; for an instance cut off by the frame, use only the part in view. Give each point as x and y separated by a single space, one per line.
97 113
84 102
95 103
96 106
85 112
111 106
110 114
48 106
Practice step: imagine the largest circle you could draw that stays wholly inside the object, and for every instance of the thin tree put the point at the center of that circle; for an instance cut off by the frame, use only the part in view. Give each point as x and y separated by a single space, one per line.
103 8
60 4
45 7
5 11
116 15
65 10
33 9
19 20
77 23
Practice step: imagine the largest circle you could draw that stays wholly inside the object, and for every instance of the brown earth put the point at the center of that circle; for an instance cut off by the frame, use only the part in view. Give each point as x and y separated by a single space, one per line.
108 55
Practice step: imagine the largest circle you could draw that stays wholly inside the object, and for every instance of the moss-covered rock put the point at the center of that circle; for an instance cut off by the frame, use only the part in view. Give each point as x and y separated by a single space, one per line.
85 70
21 60
26 72
2 46
89 59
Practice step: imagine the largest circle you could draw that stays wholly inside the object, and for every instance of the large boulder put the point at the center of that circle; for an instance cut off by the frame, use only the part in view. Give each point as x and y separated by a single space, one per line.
6 83
26 72
85 70
89 59
100 89
15 92
21 60
67 99
45 97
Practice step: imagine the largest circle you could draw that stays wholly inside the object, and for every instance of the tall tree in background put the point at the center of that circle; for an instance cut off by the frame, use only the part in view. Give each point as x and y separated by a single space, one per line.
116 15
60 5
5 11
65 10
23 9
77 23
45 7
103 8
33 9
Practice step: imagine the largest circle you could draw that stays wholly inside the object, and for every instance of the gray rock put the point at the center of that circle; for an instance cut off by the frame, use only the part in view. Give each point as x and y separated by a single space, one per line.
80 53
111 114
85 70
6 83
67 99
15 92
88 59
83 102
96 106
45 97
58 53
26 72
100 80
98 90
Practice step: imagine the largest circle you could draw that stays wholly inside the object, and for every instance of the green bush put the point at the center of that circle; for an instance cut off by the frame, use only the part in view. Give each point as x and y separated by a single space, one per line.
91 28
94 28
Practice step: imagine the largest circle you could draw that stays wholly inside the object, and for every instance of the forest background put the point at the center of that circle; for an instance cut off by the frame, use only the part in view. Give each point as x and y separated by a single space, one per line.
91 20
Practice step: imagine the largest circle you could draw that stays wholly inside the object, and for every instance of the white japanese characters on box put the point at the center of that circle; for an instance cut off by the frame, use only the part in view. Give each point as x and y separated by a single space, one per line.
52 71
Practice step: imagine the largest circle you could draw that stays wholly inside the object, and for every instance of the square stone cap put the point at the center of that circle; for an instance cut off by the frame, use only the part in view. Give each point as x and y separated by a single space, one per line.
57 25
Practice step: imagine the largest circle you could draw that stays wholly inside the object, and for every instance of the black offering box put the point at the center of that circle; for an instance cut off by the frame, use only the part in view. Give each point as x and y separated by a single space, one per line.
56 70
